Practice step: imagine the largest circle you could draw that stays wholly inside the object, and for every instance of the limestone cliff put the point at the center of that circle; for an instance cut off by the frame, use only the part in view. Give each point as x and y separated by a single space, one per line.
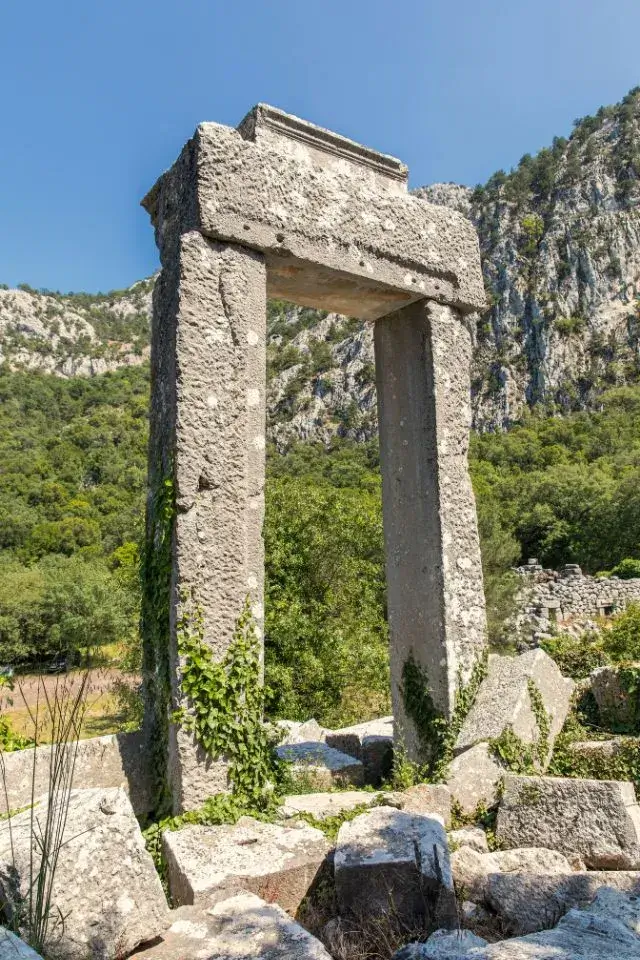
560 241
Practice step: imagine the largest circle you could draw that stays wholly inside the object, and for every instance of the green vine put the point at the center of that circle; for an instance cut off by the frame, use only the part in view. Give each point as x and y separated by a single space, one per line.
154 628
437 734
542 747
226 703
520 757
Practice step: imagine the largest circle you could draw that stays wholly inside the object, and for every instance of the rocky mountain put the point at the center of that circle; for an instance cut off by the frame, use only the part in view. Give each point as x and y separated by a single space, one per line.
560 242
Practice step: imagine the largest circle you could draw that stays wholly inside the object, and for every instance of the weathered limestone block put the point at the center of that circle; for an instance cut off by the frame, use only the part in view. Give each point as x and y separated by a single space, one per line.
442 945
117 760
371 742
472 837
105 886
473 871
13 948
293 731
276 862
323 805
504 700
434 579
426 798
208 436
333 219
618 700
242 927
473 778
599 820
388 861
529 902
320 766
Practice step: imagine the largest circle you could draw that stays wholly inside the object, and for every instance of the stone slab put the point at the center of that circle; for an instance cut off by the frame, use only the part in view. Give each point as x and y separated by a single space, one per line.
389 861
503 699
12 948
472 837
323 805
371 742
597 820
275 861
473 778
320 766
426 798
116 760
105 886
242 927
442 945
473 871
337 233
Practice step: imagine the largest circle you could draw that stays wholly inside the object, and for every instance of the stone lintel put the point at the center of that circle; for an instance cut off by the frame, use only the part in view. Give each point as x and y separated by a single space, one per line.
334 221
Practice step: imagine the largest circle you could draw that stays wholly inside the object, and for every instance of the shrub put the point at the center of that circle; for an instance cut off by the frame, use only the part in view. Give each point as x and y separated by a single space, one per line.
627 569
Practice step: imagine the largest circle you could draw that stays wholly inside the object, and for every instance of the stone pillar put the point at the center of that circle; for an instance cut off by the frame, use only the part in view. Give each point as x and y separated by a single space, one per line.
208 438
434 574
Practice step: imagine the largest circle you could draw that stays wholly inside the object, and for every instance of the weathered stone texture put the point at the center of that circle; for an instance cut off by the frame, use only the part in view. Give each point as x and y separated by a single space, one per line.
320 766
473 778
105 886
276 862
323 805
242 927
472 837
618 701
426 798
598 820
442 945
12 948
504 699
434 578
117 760
371 742
391 862
473 871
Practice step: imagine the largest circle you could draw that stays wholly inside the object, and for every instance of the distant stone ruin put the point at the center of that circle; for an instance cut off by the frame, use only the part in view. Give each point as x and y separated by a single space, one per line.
279 207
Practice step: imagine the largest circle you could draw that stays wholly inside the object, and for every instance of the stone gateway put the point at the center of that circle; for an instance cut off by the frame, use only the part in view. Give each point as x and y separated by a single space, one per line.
282 208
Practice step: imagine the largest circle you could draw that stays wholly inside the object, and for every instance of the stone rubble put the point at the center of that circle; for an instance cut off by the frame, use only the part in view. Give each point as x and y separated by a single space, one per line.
277 862
388 861
597 820
321 767
106 886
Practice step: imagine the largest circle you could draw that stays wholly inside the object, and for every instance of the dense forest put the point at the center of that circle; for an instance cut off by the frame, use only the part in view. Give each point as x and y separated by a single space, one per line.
72 481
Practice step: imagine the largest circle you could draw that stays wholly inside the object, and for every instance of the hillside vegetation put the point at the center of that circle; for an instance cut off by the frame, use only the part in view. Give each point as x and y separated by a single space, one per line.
72 479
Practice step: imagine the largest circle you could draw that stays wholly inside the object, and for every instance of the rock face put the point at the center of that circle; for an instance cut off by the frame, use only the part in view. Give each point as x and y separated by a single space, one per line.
504 700
428 799
473 778
442 945
388 861
242 927
12 948
275 862
106 886
473 871
597 820
618 700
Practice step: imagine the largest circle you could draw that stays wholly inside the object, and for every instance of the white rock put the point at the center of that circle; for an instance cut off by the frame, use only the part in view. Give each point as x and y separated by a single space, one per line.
473 778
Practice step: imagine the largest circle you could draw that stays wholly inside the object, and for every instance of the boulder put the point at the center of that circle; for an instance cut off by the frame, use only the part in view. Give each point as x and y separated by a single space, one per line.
323 805
320 766
370 742
105 886
473 778
12 948
504 700
390 861
472 837
529 902
442 945
242 927
597 820
618 700
294 731
274 861
426 798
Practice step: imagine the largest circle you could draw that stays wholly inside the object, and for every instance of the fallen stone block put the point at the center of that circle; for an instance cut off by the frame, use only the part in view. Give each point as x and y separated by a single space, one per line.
504 700
320 766
426 798
442 945
472 871
530 902
276 862
295 731
616 697
597 820
242 927
473 778
472 837
12 948
390 861
323 805
370 742
105 885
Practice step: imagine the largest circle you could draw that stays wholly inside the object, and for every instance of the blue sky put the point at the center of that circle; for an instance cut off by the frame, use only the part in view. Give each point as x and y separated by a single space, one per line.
100 95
